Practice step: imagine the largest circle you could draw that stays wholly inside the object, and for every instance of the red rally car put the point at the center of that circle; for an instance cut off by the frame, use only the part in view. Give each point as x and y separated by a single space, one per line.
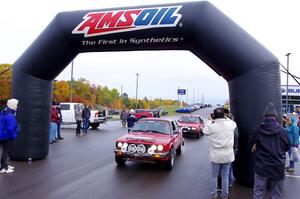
191 125
150 140
141 113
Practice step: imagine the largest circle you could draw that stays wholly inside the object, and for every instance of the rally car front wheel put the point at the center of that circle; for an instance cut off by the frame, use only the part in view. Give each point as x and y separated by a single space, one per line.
170 163
120 161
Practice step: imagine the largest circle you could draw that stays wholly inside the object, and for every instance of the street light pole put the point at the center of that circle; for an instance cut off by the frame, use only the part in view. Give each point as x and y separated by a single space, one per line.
193 96
137 86
287 83
187 96
121 90
71 82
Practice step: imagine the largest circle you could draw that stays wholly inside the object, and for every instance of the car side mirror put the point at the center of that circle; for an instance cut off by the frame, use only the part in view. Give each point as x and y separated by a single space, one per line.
176 132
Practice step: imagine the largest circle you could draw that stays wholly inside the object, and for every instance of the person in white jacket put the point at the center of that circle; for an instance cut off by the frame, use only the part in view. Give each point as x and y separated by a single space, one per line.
220 131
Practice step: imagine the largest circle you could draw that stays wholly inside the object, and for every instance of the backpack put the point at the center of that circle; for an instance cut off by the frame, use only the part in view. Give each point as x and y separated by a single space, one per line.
3 132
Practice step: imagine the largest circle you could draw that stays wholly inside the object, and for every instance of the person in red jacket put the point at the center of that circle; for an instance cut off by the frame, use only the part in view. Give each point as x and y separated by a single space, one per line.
53 124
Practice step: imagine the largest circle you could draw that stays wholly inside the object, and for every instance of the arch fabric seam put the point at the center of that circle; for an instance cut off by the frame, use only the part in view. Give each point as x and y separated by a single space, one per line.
255 68
35 77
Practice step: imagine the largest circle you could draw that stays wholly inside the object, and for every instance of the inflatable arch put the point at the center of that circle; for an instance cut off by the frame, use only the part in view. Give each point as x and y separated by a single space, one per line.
252 72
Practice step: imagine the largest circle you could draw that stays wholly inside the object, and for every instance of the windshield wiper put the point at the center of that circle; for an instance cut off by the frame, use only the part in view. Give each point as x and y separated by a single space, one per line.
137 130
153 131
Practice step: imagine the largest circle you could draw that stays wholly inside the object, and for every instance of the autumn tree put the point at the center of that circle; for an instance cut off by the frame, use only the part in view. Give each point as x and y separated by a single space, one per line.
61 91
5 81
125 100
84 92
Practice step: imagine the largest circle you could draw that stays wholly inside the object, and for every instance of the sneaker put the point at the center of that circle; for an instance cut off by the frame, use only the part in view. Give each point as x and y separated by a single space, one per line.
6 170
60 138
11 167
290 169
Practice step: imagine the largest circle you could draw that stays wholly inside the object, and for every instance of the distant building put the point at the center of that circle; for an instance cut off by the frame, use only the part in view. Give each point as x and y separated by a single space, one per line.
293 98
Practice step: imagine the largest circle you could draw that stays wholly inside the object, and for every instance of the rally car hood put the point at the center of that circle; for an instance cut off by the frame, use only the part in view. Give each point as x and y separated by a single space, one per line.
142 137
189 124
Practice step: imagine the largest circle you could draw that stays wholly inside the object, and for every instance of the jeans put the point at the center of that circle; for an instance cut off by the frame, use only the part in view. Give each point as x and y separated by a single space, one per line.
85 125
124 122
78 127
53 131
58 130
262 184
216 168
292 163
6 145
230 175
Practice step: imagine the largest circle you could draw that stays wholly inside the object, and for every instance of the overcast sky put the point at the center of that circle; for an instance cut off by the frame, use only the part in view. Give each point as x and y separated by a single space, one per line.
273 23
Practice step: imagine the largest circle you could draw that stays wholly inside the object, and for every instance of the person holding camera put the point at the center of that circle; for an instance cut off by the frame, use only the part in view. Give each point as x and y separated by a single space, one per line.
220 131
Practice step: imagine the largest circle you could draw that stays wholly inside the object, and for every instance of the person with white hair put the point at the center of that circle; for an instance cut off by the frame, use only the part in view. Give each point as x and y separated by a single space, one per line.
78 119
131 120
8 133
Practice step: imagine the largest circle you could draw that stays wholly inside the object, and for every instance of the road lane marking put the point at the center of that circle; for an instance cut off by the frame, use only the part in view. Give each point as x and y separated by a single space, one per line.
292 176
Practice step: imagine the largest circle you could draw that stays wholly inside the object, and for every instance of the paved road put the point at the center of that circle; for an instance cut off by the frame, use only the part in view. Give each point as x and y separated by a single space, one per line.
84 168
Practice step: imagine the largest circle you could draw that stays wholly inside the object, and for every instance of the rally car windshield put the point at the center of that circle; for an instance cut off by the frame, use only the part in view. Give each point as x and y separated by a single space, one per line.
152 127
189 119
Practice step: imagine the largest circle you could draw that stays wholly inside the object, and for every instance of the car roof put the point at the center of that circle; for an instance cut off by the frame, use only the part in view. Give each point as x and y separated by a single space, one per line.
191 115
156 119
70 103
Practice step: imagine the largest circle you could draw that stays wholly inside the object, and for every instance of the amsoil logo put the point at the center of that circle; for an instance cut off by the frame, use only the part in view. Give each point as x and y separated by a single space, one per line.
107 22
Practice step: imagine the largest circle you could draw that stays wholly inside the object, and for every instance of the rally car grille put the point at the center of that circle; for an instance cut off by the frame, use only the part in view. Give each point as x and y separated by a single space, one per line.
137 148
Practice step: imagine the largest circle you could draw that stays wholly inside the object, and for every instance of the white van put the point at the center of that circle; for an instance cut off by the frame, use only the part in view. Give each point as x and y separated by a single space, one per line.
68 114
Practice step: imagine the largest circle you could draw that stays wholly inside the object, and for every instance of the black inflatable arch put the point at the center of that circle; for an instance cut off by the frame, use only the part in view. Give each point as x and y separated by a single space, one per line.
252 72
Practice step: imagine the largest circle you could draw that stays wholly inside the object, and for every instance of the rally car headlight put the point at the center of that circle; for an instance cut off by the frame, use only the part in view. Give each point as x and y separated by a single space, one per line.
119 144
154 147
193 128
160 147
125 145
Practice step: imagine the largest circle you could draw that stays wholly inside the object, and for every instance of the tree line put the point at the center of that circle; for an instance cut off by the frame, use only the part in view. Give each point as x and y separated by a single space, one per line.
85 92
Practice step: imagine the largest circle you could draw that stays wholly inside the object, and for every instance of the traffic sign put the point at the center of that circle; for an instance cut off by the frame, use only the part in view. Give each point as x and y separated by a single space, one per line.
181 91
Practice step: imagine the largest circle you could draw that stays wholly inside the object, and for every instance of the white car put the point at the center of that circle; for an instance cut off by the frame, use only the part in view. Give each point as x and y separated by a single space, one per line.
68 114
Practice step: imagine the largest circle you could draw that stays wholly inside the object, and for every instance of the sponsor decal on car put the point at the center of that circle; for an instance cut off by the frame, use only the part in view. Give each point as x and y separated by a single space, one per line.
108 22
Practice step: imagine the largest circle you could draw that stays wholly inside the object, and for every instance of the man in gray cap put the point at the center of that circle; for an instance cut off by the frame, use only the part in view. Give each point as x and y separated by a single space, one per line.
269 143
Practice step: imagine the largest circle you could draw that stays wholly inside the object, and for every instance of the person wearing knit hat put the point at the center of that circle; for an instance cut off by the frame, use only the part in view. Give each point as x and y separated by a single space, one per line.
8 133
270 110
269 143
12 104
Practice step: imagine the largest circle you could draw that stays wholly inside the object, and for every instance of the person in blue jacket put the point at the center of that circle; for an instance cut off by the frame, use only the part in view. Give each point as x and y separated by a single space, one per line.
131 119
8 133
293 132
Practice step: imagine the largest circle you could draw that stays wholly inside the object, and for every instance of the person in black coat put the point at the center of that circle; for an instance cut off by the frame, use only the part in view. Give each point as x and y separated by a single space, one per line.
59 121
86 114
269 143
